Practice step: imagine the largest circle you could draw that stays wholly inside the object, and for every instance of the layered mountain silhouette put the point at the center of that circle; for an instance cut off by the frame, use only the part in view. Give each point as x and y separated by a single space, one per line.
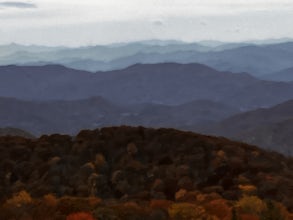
256 58
269 128
184 96
166 83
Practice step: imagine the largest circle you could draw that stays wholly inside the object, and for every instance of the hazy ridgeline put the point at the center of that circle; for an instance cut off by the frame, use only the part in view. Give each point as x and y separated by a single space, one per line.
148 88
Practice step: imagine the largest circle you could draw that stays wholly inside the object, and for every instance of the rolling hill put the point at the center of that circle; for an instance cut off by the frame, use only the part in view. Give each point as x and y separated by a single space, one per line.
141 165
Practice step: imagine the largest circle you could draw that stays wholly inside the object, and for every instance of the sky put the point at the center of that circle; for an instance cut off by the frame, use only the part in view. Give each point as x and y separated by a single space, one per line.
91 22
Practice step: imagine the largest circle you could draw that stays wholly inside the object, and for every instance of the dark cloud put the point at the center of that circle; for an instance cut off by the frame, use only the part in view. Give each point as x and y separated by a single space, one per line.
158 23
17 5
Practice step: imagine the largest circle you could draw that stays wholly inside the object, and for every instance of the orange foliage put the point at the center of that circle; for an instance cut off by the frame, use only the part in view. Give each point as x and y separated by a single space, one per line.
131 205
242 180
68 205
160 204
80 216
249 217
50 200
290 216
20 199
100 160
247 189
221 154
250 205
219 208
180 194
201 197
94 201
127 210
186 211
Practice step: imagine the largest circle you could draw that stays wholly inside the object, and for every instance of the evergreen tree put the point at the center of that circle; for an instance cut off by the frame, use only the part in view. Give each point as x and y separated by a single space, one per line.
234 214
272 212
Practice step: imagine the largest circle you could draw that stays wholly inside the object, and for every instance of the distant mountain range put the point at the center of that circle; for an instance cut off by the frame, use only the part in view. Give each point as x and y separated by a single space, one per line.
43 96
166 83
256 58
270 128
281 76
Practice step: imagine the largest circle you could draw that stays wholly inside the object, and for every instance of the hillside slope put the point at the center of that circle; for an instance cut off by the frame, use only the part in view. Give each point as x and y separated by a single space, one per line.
267 127
129 162
15 132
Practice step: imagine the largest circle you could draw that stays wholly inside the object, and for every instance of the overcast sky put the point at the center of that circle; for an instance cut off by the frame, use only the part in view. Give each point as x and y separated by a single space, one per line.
89 22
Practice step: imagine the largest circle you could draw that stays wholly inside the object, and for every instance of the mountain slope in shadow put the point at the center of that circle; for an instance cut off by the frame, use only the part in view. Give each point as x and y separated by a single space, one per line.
71 116
267 127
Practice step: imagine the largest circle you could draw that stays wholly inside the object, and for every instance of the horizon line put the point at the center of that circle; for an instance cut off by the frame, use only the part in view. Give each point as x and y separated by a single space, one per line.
171 41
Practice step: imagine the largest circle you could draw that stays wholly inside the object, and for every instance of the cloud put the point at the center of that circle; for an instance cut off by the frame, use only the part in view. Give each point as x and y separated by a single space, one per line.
158 23
23 5
75 22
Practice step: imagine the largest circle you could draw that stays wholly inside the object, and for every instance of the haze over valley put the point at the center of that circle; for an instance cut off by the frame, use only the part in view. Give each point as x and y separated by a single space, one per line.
156 110
44 97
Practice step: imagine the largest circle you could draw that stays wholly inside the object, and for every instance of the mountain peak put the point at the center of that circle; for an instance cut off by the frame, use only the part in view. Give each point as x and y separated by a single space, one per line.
171 66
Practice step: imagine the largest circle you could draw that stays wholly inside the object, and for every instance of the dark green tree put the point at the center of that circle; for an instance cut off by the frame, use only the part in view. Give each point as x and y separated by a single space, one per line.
234 214
272 212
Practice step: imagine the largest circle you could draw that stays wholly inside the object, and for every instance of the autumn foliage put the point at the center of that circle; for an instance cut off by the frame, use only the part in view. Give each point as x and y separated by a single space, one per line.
219 208
249 217
139 173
